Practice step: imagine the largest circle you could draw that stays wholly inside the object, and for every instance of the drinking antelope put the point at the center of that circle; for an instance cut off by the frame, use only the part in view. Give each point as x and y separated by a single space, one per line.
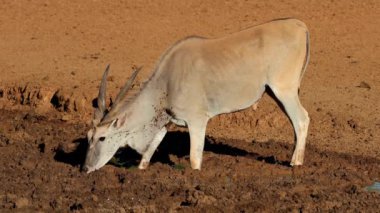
197 79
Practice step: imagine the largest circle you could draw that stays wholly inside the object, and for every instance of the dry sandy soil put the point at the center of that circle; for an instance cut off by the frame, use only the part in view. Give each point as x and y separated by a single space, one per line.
53 54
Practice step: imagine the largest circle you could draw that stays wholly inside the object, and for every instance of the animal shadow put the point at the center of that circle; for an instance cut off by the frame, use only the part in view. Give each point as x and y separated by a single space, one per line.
75 156
175 143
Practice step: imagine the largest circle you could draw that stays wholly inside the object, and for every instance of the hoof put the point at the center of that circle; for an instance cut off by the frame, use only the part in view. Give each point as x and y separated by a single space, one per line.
297 158
195 166
297 163
143 165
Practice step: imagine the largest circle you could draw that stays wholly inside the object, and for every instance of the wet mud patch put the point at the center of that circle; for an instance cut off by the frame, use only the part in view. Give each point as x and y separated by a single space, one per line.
41 158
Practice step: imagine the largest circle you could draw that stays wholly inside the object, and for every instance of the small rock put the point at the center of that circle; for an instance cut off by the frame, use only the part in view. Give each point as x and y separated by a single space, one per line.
352 123
95 198
21 202
282 195
364 85
246 196
66 117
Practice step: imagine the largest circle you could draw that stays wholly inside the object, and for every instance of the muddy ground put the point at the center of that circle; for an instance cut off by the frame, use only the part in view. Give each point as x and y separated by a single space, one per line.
41 160
54 52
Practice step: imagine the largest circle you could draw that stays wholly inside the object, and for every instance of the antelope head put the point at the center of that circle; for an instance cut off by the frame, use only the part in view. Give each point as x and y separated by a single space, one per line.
105 137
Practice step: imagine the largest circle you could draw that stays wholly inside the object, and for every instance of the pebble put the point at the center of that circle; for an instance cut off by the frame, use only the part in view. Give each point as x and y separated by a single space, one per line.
66 118
21 202
364 85
282 195
95 198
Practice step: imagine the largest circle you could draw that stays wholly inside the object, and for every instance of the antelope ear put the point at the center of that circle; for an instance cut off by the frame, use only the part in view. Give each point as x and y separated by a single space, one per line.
117 123
90 133
97 117
113 124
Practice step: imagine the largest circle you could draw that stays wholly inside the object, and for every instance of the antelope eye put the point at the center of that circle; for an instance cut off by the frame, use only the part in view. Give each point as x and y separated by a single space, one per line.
102 138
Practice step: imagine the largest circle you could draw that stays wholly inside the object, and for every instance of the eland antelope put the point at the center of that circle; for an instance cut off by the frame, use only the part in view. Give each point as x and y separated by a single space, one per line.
197 79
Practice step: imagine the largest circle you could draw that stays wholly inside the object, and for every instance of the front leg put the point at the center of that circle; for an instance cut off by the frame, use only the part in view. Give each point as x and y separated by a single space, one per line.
197 130
144 163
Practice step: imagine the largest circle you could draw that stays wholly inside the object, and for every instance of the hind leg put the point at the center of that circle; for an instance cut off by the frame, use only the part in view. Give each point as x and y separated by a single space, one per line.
299 118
